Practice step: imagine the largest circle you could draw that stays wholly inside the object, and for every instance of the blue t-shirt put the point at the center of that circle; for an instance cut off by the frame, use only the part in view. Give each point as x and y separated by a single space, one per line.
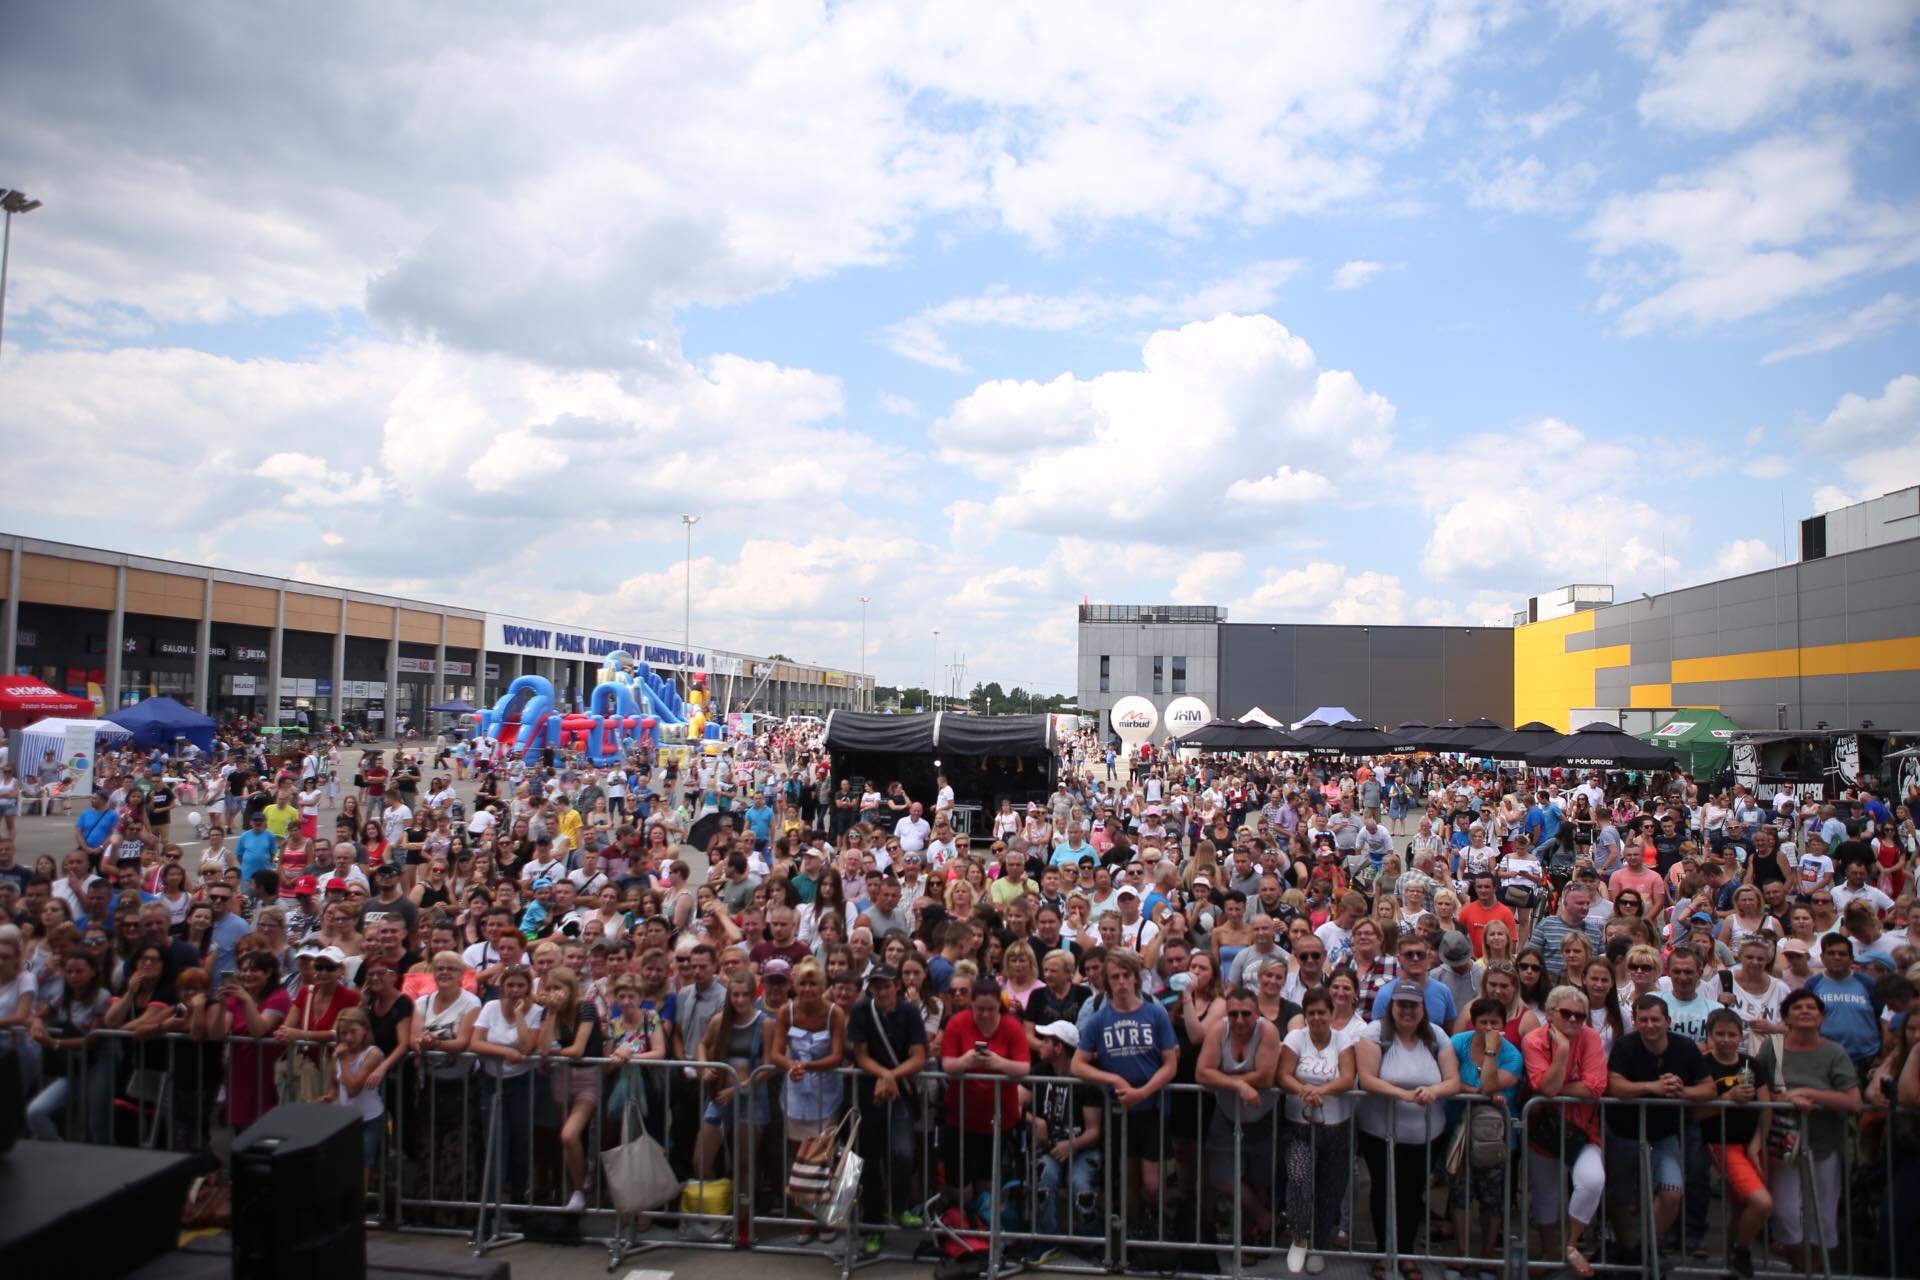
1510 1059
1441 1010
255 849
1543 823
759 820
1850 1022
226 935
95 825
1131 1045
1065 855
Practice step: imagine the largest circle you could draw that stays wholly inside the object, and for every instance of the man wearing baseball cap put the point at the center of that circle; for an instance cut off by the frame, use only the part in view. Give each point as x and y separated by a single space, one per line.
1066 1133
889 1042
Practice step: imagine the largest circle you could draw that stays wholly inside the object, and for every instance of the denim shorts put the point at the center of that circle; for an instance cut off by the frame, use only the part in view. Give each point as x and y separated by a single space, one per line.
1623 1166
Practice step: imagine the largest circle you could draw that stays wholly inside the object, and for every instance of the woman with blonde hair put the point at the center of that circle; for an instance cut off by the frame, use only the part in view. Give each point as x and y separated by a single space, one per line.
962 897
1497 943
1204 862
1021 971
806 1044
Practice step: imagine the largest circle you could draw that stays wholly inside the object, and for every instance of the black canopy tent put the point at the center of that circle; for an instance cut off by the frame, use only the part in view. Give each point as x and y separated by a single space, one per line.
1435 737
1514 746
1601 746
1355 738
986 759
1470 737
1238 735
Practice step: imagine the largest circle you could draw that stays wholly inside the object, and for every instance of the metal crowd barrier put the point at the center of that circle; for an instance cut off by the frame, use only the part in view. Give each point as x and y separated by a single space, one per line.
469 1154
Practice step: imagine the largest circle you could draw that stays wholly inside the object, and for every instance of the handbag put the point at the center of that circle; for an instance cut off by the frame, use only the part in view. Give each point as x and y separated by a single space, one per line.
297 1077
847 1173
639 1177
1784 1138
1517 894
1457 1150
1550 1134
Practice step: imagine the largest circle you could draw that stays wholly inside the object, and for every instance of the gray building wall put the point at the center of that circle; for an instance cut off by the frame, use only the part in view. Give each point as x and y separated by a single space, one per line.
1130 648
1384 675
1861 596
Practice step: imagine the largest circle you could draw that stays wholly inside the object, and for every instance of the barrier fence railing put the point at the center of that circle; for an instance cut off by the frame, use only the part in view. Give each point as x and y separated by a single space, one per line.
1196 1183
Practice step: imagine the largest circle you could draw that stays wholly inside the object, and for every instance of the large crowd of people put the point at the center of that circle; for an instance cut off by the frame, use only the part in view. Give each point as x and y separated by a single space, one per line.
1179 998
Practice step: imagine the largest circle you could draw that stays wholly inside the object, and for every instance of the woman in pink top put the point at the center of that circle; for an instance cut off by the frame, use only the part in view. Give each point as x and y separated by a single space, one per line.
1565 1059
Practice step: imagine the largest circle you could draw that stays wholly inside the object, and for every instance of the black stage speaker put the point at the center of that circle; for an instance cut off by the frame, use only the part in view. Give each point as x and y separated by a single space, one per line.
298 1199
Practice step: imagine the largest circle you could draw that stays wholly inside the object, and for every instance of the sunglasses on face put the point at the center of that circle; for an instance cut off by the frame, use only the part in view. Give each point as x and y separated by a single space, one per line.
1528 968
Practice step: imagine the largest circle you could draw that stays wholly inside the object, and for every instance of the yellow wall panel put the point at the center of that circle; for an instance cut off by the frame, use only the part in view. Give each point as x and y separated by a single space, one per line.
1817 660
1547 680
1651 695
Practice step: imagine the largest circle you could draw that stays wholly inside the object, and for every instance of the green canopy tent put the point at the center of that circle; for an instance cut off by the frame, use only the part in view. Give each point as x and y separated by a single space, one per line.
1702 738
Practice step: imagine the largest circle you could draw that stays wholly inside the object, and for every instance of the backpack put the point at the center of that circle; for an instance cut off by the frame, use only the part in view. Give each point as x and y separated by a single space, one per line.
1487 1144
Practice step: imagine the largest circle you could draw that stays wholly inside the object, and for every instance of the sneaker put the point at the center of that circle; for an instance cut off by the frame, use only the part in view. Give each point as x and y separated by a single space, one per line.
909 1219
1041 1254
1316 1263
1742 1263
576 1203
1296 1258
871 1244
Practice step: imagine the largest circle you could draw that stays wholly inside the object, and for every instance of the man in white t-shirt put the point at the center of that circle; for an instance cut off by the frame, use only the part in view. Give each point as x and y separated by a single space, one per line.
394 821
484 819
943 801
913 831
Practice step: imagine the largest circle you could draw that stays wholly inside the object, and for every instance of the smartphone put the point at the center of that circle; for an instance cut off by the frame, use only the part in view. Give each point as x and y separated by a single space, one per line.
979 1046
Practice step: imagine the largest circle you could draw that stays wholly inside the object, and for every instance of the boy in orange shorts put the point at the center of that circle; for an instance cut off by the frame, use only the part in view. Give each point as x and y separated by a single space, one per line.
1736 1136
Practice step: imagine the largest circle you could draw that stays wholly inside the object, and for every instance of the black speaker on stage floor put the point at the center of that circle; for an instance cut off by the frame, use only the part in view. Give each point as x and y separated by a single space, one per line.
298 1200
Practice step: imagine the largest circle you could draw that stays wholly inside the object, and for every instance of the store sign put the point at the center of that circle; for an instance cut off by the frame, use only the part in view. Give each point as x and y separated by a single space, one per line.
493 671
456 668
244 686
174 648
417 666
513 635
246 653
323 688
27 639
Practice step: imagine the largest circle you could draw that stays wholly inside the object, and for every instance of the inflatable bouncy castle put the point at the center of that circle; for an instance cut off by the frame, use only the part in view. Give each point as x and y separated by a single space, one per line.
630 704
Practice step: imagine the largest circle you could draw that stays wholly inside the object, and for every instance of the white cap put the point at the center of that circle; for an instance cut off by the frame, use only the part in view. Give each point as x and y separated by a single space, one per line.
1065 1032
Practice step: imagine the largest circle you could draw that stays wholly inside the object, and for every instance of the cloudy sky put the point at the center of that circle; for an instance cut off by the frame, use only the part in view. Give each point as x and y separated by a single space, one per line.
1334 310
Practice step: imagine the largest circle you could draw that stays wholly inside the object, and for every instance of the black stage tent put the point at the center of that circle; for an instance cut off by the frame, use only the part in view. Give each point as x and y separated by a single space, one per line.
985 758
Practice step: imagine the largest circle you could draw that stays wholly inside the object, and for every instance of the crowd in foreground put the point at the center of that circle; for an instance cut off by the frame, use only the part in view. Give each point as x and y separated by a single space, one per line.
1236 982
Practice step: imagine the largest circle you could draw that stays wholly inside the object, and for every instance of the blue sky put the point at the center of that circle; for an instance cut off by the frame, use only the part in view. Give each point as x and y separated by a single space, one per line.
1321 311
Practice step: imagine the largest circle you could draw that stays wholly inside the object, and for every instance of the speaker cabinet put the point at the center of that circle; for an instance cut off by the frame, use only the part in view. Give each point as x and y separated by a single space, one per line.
298 1200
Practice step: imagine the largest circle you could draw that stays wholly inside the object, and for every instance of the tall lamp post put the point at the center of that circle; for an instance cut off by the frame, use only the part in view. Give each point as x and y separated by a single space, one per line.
861 701
686 637
13 202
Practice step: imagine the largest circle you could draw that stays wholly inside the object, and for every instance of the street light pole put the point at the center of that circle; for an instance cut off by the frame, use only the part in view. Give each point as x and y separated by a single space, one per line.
13 202
861 701
686 640
932 684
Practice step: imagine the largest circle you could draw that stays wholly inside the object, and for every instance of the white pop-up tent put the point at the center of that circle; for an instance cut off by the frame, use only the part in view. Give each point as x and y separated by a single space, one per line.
1257 716
49 737
1326 715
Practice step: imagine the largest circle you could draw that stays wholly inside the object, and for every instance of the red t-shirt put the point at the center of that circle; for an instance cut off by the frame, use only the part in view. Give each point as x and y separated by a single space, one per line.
1476 918
1009 1040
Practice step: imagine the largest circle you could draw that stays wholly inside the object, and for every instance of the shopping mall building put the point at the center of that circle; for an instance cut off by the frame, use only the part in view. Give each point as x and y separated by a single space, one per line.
118 628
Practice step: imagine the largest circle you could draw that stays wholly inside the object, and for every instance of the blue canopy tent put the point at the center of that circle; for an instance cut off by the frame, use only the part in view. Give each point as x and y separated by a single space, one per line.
160 722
